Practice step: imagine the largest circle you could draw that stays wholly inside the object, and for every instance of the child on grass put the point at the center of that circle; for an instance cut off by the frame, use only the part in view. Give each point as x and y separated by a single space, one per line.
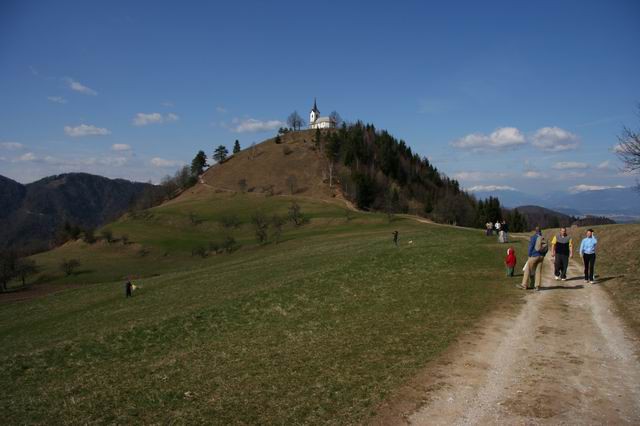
510 261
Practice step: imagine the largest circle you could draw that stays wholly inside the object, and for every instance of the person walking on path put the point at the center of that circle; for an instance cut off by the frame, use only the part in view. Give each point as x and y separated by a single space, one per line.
505 229
561 251
510 261
395 238
127 288
489 227
537 250
588 252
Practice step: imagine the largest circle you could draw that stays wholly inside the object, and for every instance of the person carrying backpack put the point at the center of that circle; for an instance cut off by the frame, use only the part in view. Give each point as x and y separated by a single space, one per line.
538 247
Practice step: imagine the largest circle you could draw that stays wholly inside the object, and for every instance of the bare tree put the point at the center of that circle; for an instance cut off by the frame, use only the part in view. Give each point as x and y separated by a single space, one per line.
335 117
628 149
292 184
295 121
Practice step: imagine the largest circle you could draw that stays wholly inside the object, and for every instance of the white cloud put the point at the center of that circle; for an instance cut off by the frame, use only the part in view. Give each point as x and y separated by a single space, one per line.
489 188
29 156
144 119
479 176
562 165
253 125
533 174
12 146
617 149
120 147
582 188
161 162
221 109
86 130
167 104
57 99
503 137
79 87
605 165
555 139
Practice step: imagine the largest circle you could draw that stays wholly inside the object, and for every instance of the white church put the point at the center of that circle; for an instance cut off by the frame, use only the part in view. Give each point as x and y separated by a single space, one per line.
317 122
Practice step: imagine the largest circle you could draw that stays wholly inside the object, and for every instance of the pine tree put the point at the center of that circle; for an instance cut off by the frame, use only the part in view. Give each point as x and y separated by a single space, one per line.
199 163
236 147
220 154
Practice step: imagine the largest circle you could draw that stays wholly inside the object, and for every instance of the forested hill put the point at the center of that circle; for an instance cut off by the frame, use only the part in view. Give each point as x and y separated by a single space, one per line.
380 172
32 214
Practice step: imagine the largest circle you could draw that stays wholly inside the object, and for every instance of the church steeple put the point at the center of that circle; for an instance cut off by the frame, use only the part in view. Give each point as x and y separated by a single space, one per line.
315 113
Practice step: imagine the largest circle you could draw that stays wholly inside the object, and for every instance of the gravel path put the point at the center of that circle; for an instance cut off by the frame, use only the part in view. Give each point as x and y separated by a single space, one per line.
563 358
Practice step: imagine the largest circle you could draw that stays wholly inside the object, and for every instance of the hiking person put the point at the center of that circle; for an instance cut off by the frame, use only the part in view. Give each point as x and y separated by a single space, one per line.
510 261
561 252
128 286
497 226
538 247
505 229
395 238
489 227
588 253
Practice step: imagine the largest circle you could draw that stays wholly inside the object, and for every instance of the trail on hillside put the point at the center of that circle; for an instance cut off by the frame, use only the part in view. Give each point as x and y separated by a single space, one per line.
564 357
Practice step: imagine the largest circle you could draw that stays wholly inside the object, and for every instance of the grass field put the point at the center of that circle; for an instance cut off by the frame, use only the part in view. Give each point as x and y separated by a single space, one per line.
618 266
316 329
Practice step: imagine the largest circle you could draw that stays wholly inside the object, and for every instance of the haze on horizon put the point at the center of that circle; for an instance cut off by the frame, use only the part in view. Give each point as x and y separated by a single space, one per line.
527 97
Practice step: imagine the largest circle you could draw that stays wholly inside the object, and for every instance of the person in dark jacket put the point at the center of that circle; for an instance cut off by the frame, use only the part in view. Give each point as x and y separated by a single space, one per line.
561 251
127 288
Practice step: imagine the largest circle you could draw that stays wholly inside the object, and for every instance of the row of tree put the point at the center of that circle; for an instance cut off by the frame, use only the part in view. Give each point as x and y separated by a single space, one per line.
379 172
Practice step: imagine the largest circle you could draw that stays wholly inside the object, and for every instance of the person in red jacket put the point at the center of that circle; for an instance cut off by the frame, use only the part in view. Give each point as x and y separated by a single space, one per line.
510 261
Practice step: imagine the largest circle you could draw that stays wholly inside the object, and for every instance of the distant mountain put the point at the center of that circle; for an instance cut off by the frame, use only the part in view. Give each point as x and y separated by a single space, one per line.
30 215
539 216
620 204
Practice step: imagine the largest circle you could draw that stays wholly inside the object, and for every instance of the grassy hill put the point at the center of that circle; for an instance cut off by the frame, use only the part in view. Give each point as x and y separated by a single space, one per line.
617 265
315 329
276 168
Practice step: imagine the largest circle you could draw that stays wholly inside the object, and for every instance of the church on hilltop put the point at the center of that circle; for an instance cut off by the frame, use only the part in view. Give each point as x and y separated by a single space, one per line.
317 122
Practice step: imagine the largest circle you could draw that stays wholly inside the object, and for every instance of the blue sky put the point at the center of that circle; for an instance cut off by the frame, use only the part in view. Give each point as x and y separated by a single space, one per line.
524 95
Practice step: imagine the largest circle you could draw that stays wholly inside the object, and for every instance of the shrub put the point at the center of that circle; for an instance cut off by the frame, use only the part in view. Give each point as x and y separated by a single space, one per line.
296 216
68 266
277 223
124 239
229 244
261 226
214 247
199 251
107 235
230 221
143 251
89 236
286 150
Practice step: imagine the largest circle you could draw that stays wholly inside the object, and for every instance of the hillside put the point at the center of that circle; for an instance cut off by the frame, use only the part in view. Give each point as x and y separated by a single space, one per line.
32 214
293 166
545 218
316 328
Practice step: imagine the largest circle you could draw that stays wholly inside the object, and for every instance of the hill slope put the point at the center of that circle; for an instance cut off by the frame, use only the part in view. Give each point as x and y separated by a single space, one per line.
32 214
315 329
293 166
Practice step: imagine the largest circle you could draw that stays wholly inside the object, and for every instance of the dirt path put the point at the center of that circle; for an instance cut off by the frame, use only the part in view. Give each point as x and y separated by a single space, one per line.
563 358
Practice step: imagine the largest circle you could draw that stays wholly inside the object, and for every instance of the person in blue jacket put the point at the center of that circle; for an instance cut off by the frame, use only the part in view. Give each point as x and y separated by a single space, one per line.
535 261
588 253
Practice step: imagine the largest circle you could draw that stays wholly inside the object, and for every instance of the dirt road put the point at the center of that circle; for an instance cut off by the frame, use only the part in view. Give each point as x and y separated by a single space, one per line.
564 357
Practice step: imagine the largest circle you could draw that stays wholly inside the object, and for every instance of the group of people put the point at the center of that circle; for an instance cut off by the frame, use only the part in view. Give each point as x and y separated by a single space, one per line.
561 252
501 229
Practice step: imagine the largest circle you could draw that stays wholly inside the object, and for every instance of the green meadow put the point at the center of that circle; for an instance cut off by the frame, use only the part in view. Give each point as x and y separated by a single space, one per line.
316 329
